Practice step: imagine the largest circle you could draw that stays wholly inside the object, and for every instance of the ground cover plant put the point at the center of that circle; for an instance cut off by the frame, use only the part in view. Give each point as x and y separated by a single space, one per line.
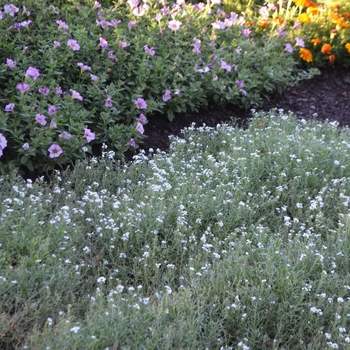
235 239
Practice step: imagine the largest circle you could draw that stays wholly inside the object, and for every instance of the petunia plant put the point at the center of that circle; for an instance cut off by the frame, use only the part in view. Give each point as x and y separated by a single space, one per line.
76 76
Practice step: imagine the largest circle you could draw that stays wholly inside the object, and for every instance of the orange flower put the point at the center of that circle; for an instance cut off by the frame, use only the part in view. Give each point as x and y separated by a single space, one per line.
305 54
331 58
326 49
313 11
347 46
263 24
316 41
334 16
346 15
278 20
304 18
304 3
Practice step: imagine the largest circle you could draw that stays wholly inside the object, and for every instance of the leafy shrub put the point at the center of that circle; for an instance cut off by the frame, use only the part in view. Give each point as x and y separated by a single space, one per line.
85 66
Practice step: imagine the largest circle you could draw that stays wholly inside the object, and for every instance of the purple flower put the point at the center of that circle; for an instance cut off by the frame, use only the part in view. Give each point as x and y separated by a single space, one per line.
52 110
122 44
109 102
39 118
132 143
174 25
11 9
9 107
22 87
53 124
65 135
103 43
196 46
297 25
150 51
25 23
89 135
44 90
131 24
73 44
246 32
140 103
94 77
1 14
3 141
25 146
55 151
10 63
281 32
32 72
139 128
83 67
133 3
289 48
58 90
239 84
96 5
167 95
61 24
142 118
300 42
76 95
56 43
225 66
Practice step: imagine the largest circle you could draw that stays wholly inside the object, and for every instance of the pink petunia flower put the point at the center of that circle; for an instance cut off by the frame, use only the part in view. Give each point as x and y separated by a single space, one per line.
288 48
167 95
225 66
76 95
150 51
10 107
73 44
65 135
32 72
246 32
140 103
10 63
174 25
52 110
94 77
53 124
139 128
142 118
239 84
11 9
96 5
44 90
132 143
103 43
40 119
109 102
83 67
22 87
299 42
61 24
90 136
55 151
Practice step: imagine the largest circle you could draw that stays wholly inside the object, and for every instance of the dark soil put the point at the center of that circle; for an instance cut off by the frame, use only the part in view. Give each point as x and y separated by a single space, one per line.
327 94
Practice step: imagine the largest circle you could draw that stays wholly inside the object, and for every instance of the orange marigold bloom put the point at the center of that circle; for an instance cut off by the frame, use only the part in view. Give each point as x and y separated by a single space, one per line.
278 20
304 18
305 54
334 16
313 11
316 41
346 15
331 58
347 46
263 24
305 3
326 49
